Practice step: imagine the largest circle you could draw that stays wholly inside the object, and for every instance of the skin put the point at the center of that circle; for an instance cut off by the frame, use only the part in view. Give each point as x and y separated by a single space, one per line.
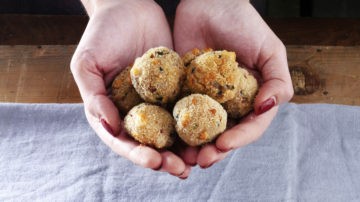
235 25
115 36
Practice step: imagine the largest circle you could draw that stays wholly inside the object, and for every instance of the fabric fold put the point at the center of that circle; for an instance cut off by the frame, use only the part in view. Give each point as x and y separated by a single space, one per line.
310 152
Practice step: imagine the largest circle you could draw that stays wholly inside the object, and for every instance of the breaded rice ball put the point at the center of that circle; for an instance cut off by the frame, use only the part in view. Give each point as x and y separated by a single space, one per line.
199 119
158 75
243 103
215 74
150 125
191 55
187 58
124 94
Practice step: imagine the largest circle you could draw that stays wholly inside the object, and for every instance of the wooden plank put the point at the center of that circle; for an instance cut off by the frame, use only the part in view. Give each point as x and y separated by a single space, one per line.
37 74
331 74
40 73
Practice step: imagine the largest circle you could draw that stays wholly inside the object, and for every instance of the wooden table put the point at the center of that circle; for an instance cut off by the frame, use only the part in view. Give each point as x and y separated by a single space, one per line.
35 53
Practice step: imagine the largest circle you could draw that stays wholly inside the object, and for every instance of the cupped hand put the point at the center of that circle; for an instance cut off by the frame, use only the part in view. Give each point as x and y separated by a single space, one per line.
235 25
118 32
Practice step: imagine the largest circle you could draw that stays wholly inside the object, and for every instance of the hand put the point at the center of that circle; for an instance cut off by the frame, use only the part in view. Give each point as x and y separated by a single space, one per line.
118 32
235 25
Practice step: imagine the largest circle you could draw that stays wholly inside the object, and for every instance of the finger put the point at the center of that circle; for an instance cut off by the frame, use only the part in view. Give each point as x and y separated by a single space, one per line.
172 164
91 85
247 131
187 153
124 146
190 155
277 86
186 173
258 47
104 117
209 155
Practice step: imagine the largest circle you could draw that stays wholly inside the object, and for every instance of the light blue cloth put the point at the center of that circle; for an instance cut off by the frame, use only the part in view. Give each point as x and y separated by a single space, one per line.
309 153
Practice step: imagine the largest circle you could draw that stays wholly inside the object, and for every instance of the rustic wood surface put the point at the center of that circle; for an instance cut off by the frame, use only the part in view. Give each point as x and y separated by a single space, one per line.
323 55
328 74
331 74
37 74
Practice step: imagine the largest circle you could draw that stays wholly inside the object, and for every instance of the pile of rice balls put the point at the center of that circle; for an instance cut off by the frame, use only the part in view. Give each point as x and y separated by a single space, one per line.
164 96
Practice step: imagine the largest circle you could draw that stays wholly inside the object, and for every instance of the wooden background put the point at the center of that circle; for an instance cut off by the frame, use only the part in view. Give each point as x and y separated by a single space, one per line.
35 53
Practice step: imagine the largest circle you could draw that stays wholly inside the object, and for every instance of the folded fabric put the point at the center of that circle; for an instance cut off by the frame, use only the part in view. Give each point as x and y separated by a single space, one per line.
48 152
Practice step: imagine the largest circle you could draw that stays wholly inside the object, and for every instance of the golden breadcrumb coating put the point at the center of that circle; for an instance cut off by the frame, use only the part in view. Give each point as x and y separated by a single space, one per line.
215 74
243 102
158 75
150 125
199 119
124 94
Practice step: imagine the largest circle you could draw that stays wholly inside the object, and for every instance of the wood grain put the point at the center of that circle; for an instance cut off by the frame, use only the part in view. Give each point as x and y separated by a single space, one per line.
323 55
333 73
42 74
37 74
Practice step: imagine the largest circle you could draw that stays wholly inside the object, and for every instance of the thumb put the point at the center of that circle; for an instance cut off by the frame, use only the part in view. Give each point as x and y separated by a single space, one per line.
277 86
98 106
104 117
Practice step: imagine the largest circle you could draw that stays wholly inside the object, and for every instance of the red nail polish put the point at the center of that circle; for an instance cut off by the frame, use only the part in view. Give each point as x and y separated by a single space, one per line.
266 106
106 126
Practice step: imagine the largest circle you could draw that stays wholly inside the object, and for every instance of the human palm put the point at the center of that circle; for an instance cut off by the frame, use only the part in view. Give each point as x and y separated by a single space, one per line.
235 25
122 30
115 35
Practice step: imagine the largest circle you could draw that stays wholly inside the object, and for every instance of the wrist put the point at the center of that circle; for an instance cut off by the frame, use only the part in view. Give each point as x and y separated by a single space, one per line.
92 6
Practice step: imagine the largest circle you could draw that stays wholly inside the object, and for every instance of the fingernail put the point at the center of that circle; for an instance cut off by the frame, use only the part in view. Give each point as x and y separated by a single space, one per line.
266 106
223 150
158 168
178 175
204 167
106 126
183 178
